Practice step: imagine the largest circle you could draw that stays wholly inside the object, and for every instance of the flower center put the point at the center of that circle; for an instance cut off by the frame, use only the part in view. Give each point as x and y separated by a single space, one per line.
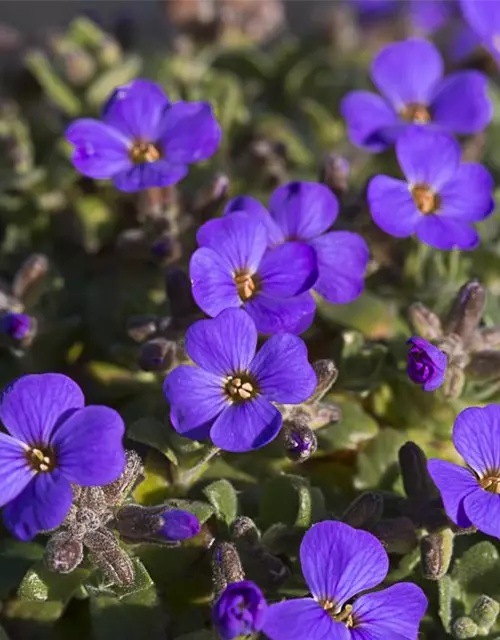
41 459
344 615
142 152
246 284
490 483
240 387
417 113
426 200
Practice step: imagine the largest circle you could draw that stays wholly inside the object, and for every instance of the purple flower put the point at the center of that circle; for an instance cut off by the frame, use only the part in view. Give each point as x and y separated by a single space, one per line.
374 9
429 16
339 562
179 525
426 364
144 139
229 394
239 611
483 17
233 269
54 441
471 495
440 198
409 76
15 325
304 211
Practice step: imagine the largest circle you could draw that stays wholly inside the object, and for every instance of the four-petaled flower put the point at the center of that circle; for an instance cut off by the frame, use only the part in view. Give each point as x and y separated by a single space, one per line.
144 140
471 495
233 268
229 394
483 17
426 364
54 441
409 76
440 198
239 611
303 212
339 562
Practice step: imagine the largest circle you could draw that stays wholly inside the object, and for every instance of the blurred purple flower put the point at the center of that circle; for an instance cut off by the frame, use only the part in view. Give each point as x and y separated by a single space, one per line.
369 10
304 211
15 325
339 562
239 611
228 395
426 364
429 16
471 495
440 198
483 17
179 525
54 441
233 268
409 74
144 140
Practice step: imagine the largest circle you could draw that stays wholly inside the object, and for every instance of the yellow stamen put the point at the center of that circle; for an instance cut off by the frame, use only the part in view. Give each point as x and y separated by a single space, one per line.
426 200
240 388
142 152
246 284
417 113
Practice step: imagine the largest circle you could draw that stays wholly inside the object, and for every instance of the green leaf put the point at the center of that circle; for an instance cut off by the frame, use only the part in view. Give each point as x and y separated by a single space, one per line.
3 634
478 566
40 584
55 89
142 582
120 74
377 463
223 498
355 427
445 590
286 499
153 433
201 510
16 558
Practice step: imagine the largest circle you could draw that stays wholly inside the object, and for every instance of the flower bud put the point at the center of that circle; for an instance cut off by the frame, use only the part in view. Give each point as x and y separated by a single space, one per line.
417 482
163 247
179 294
226 566
485 613
398 535
326 374
484 364
15 325
209 199
29 275
107 555
463 628
365 511
299 440
116 492
139 328
135 523
425 321
454 382
426 364
334 173
157 354
467 310
239 611
436 551
244 530
63 552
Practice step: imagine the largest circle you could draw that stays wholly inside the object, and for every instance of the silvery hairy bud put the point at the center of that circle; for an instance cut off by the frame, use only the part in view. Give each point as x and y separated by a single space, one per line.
63 552
116 492
466 310
326 374
365 511
334 172
157 354
485 613
299 439
426 323
226 566
436 551
107 555
463 628
139 328
28 279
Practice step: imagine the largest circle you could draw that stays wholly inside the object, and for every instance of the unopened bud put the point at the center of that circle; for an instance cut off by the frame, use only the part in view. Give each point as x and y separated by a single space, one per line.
334 172
398 535
436 551
365 511
157 354
28 278
226 566
163 247
299 440
16 326
326 374
484 364
63 552
135 523
454 382
179 294
417 482
244 530
325 413
485 613
210 199
463 628
116 492
466 310
106 553
426 323
486 338
139 328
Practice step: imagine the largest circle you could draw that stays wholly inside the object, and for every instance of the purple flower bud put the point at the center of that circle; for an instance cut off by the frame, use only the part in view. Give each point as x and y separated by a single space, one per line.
426 364
179 525
15 325
240 610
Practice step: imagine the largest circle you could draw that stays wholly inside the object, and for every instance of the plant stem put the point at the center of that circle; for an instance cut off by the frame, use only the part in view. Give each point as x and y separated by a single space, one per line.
187 478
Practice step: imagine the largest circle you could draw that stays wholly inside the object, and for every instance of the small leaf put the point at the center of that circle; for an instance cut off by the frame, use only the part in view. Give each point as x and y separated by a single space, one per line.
476 563
286 499
223 498
55 89
355 427
40 584
120 74
142 582
201 510
377 466
153 433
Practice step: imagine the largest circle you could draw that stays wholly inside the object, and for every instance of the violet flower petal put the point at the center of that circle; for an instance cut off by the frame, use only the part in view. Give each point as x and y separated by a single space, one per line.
469 194
288 270
454 484
372 124
302 619
31 406
476 436
339 561
149 175
15 472
281 315
392 206
282 370
446 233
